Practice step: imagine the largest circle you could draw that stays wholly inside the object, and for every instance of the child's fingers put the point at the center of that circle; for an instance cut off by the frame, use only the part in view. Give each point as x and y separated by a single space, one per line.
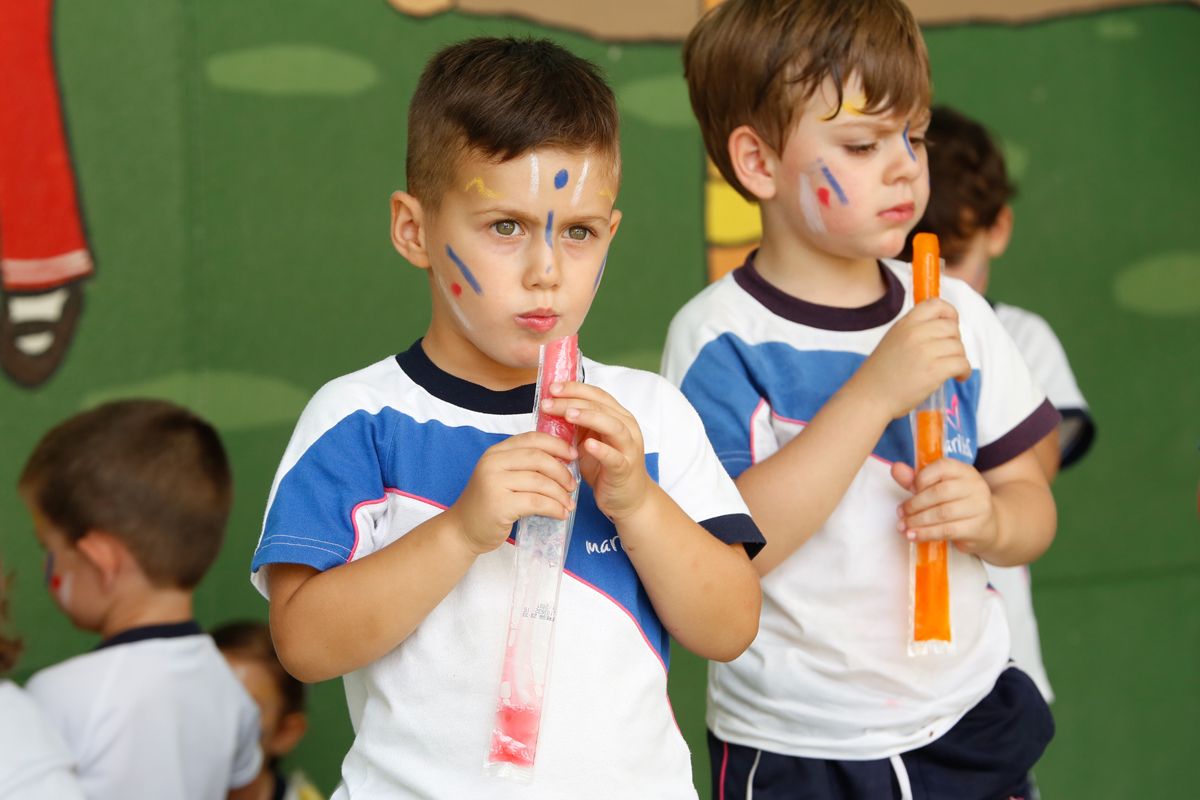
528 459
612 459
941 517
592 394
535 483
903 474
551 445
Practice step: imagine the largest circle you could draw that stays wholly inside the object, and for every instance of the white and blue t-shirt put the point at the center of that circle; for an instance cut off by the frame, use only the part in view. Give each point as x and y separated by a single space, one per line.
380 451
828 675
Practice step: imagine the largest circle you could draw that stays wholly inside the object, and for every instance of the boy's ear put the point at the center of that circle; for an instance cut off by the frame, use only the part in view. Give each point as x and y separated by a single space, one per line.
106 552
1000 232
753 162
614 222
408 229
291 730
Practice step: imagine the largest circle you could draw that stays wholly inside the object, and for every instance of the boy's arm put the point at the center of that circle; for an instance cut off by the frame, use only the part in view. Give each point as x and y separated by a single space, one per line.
792 492
703 589
327 623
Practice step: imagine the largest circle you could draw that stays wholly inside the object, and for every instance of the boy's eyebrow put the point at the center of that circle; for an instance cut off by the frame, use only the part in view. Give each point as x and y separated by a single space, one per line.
889 123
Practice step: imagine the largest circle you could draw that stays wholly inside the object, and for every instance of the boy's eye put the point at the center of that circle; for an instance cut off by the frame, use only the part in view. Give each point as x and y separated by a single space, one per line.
917 141
860 149
506 227
578 232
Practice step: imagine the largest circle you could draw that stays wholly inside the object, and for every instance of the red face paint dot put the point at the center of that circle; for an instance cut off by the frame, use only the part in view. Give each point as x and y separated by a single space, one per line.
823 196
456 290
55 582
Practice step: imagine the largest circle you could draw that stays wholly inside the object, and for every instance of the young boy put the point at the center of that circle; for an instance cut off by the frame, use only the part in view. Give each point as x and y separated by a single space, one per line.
386 549
281 701
816 110
969 211
130 501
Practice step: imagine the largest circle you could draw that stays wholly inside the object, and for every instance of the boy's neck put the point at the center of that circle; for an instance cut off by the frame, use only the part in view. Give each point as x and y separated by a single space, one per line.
794 265
146 606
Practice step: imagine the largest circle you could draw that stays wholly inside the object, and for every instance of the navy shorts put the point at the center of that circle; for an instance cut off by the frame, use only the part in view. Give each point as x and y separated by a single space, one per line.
987 755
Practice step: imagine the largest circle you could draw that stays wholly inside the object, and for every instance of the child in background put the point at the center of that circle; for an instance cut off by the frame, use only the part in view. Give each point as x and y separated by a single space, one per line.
129 501
387 550
281 700
804 364
34 761
969 211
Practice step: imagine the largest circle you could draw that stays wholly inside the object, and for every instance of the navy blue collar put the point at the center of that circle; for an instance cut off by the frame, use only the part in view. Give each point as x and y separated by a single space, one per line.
829 318
464 394
169 630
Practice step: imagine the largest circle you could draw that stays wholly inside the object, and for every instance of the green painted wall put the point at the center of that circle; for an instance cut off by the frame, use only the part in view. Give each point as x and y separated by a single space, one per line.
235 163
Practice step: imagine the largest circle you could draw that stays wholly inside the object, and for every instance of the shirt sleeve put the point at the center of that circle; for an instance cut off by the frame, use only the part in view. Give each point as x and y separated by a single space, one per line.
329 483
248 757
1013 413
692 475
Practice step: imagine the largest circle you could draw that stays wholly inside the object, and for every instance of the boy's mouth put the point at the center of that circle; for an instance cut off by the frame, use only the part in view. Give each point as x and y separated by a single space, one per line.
538 320
900 213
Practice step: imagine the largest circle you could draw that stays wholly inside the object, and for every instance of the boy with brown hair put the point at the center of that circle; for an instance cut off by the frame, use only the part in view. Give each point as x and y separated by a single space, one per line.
129 501
387 545
803 364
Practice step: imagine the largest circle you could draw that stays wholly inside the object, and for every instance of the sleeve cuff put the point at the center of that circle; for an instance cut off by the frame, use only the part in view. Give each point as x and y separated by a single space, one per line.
1022 437
736 529
1077 431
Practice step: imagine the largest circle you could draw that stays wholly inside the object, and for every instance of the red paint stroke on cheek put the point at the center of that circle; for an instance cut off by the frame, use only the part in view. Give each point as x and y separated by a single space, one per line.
823 196
55 582
456 290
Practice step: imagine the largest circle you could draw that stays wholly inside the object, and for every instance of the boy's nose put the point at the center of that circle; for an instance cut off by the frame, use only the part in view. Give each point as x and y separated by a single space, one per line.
542 269
904 163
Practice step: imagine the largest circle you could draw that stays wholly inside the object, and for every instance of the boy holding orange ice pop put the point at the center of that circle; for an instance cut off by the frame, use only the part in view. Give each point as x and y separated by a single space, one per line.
804 364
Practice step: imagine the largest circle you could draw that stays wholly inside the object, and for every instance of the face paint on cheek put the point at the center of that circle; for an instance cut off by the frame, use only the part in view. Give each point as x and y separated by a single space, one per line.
809 207
907 143
452 294
600 274
833 184
583 173
60 587
464 269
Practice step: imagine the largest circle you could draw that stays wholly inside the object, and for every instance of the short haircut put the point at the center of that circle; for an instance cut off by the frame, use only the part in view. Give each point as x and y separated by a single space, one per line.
755 62
10 646
968 184
252 641
502 98
148 472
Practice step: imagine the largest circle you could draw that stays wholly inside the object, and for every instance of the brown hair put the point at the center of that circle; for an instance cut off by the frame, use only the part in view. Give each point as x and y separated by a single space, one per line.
10 647
149 472
252 640
968 184
502 98
754 62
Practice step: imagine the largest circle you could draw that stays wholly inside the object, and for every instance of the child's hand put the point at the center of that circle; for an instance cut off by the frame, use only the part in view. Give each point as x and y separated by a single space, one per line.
518 477
951 500
917 355
612 457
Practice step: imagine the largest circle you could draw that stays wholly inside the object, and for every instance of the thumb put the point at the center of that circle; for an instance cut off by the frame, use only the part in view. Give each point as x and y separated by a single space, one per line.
904 475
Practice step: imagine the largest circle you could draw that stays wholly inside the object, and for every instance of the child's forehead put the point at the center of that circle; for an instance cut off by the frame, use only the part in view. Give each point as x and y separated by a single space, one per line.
855 105
599 162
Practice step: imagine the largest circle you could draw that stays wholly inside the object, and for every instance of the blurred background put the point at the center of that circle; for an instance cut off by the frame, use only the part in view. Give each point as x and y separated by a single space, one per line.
225 174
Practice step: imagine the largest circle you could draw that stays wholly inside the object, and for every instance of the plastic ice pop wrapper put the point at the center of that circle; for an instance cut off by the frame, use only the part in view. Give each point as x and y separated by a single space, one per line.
929 575
541 552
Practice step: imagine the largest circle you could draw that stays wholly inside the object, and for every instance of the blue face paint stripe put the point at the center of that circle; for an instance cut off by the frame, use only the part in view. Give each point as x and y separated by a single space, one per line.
464 269
833 184
550 230
908 144
600 275
560 179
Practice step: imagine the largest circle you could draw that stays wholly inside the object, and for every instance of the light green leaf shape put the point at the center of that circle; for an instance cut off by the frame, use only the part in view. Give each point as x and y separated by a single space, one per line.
291 70
1164 285
232 401
1117 29
661 100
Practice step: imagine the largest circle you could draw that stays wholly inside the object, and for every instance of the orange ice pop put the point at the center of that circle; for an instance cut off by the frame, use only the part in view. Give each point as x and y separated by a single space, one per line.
930 580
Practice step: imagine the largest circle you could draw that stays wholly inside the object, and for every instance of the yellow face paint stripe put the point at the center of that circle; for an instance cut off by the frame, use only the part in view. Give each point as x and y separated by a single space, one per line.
478 185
